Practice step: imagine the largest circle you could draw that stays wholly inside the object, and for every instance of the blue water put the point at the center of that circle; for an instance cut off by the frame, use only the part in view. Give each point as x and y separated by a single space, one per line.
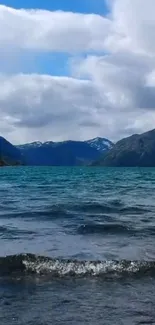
77 246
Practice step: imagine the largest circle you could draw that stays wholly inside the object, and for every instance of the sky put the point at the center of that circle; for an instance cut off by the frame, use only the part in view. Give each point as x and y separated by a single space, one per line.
76 69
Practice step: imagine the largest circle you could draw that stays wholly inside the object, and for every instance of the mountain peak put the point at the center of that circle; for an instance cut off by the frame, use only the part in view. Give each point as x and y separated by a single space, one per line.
101 144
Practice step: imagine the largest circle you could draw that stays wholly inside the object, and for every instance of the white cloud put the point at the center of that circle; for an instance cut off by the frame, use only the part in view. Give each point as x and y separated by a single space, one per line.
109 95
50 107
51 31
130 26
42 107
122 77
133 26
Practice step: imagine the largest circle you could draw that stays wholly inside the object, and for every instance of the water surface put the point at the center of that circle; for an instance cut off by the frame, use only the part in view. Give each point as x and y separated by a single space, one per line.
82 246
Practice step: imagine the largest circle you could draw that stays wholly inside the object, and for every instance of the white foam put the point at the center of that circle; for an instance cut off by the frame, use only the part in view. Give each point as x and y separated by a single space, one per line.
63 268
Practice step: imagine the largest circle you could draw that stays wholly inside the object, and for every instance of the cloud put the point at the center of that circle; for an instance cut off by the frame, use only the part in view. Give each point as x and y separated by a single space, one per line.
110 93
58 107
133 26
123 78
129 26
42 30
43 107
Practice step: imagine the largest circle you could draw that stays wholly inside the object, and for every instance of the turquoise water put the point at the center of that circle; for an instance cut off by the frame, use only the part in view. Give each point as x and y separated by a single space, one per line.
82 245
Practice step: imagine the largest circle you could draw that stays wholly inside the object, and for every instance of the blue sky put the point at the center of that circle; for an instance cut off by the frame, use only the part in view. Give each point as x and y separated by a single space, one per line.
83 6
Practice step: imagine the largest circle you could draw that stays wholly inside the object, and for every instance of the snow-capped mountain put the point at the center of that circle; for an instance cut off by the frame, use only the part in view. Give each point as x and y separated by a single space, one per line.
70 153
101 144
35 144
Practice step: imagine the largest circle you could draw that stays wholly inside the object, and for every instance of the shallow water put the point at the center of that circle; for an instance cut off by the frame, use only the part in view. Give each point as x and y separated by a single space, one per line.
82 246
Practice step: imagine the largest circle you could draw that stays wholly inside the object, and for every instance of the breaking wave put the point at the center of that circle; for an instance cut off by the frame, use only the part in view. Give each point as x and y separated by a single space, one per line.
29 264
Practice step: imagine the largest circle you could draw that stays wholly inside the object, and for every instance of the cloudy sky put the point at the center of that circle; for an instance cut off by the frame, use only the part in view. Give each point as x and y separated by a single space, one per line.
76 69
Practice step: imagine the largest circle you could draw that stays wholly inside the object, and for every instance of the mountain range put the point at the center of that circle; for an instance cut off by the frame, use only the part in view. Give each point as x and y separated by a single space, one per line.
65 153
136 150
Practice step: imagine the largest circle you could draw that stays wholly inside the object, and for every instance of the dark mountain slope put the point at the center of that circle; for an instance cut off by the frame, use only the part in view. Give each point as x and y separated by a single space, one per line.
136 150
9 154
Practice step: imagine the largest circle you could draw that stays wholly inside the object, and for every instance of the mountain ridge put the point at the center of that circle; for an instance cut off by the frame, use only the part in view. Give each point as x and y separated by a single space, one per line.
132 151
64 153
49 153
99 143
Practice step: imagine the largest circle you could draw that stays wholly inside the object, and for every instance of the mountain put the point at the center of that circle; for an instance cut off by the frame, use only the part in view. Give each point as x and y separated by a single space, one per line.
66 153
29 145
101 144
9 154
136 150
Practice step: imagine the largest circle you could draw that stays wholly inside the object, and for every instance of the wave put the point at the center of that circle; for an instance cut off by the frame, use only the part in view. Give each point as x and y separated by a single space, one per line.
108 228
113 228
50 214
73 210
114 206
134 210
30 264
14 232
